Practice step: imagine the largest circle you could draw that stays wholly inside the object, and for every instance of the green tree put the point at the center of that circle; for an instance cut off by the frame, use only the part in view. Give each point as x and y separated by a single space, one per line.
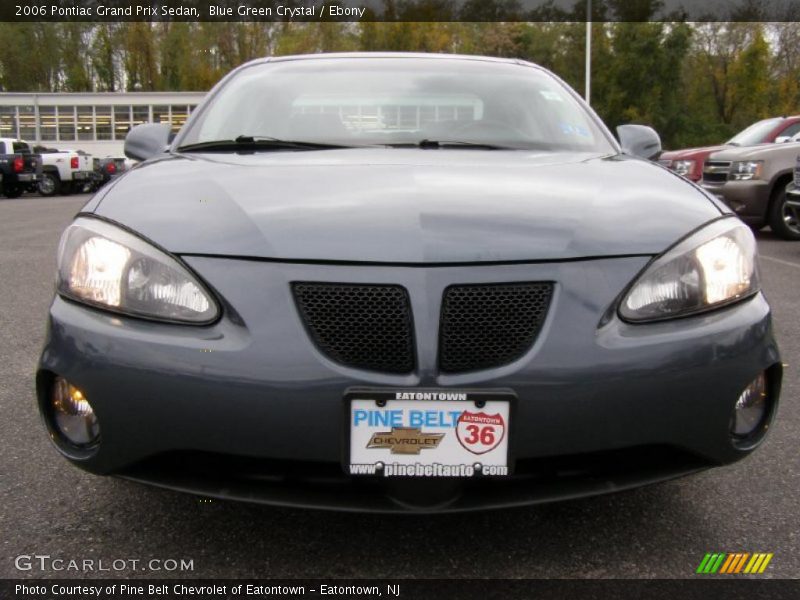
75 47
140 56
105 57
30 60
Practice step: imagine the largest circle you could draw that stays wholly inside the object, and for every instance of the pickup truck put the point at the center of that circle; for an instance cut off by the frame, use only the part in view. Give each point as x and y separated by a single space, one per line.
64 171
20 169
689 162
107 169
792 212
753 181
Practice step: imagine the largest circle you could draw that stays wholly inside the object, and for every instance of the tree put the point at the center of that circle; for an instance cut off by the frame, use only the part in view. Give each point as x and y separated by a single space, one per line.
74 46
105 57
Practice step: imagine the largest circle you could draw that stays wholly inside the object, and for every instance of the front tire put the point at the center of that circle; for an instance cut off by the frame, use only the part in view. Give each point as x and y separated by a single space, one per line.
12 191
783 218
50 185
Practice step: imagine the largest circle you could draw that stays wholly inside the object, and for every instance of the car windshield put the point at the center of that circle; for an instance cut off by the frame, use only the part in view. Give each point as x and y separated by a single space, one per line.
397 102
756 133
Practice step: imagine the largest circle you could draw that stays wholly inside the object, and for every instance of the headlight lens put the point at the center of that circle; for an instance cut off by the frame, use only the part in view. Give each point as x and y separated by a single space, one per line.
106 266
747 170
711 268
684 167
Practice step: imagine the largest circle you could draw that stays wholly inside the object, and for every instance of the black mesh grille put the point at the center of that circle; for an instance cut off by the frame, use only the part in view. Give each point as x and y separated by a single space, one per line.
360 326
485 326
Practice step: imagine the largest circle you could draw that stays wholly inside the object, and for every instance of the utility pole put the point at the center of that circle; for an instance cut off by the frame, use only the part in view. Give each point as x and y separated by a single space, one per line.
588 86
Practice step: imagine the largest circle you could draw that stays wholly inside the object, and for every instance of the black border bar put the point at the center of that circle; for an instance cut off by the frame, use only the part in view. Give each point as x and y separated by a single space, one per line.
706 588
398 10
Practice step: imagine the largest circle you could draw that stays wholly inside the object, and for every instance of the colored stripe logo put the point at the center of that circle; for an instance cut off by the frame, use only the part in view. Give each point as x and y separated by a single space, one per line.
733 563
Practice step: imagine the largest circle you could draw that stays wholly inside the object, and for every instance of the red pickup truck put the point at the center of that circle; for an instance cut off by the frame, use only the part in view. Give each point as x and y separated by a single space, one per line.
689 162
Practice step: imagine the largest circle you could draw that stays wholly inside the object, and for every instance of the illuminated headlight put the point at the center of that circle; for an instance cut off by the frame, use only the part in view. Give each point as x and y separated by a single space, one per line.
684 167
712 268
105 266
72 414
747 170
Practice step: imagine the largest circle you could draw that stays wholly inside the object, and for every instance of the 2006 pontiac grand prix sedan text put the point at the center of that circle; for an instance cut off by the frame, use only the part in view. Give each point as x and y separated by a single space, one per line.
404 282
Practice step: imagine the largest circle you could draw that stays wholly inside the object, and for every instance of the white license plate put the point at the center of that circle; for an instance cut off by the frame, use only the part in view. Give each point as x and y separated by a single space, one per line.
428 433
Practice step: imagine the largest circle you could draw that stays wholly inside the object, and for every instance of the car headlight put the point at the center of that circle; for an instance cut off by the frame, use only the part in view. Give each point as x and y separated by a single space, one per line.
747 170
105 266
684 167
713 267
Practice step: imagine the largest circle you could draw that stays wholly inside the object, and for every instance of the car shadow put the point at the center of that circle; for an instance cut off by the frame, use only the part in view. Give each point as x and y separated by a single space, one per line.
227 538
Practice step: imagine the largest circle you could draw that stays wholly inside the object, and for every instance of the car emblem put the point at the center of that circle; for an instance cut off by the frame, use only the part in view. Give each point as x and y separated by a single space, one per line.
480 433
405 440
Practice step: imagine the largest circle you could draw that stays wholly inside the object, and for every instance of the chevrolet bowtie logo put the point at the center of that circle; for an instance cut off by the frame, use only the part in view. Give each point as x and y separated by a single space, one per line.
405 440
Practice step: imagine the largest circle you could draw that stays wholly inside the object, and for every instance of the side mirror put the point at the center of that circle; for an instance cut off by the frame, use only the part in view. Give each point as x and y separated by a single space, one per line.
639 140
782 139
147 140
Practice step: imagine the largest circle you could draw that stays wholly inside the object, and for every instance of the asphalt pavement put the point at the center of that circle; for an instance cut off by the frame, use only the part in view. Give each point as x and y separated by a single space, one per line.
48 507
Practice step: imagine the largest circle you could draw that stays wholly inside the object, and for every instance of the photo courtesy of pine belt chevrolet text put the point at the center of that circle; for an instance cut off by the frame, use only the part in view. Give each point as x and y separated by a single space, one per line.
404 282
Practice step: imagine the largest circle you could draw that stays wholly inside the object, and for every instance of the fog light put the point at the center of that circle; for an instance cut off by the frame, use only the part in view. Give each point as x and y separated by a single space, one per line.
73 416
751 408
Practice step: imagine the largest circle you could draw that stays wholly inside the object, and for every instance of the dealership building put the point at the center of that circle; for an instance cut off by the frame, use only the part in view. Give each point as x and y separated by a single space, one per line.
93 122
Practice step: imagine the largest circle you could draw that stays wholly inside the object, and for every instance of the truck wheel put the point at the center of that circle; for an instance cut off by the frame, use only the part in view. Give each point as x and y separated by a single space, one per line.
783 218
50 185
12 191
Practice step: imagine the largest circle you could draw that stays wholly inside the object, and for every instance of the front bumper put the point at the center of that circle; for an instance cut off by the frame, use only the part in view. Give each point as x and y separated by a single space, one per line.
748 199
615 406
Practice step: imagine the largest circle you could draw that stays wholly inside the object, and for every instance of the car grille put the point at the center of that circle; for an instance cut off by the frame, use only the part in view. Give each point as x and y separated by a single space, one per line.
797 173
716 171
360 326
485 326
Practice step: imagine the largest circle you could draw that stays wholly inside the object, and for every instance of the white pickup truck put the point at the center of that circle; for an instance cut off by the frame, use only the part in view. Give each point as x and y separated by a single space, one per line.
64 171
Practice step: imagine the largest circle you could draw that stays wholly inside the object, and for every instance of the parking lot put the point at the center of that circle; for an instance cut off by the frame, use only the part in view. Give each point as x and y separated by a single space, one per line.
48 507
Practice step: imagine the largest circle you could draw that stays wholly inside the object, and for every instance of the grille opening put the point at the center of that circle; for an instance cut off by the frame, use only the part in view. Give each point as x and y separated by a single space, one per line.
358 325
326 485
716 171
486 326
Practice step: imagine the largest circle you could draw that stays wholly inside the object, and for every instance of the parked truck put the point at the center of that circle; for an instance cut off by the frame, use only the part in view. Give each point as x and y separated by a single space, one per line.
689 162
20 168
792 212
64 171
753 182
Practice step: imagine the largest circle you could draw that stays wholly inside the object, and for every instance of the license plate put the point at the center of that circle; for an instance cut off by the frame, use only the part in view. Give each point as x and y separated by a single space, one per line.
428 433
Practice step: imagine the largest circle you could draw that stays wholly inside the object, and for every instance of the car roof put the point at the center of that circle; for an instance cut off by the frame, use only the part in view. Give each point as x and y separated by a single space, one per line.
411 55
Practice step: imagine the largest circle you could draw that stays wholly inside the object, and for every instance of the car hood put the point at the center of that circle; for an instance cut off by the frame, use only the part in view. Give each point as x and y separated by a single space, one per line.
406 205
760 152
690 153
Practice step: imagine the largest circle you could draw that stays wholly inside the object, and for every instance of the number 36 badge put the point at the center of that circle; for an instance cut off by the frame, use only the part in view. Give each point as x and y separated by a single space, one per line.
480 433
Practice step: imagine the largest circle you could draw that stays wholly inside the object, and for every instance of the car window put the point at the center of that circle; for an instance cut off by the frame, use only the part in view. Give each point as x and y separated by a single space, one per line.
756 133
22 148
385 101
791 131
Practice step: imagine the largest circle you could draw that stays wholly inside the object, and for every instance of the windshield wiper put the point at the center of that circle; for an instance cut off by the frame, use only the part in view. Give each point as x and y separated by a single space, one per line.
427 144
252 142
